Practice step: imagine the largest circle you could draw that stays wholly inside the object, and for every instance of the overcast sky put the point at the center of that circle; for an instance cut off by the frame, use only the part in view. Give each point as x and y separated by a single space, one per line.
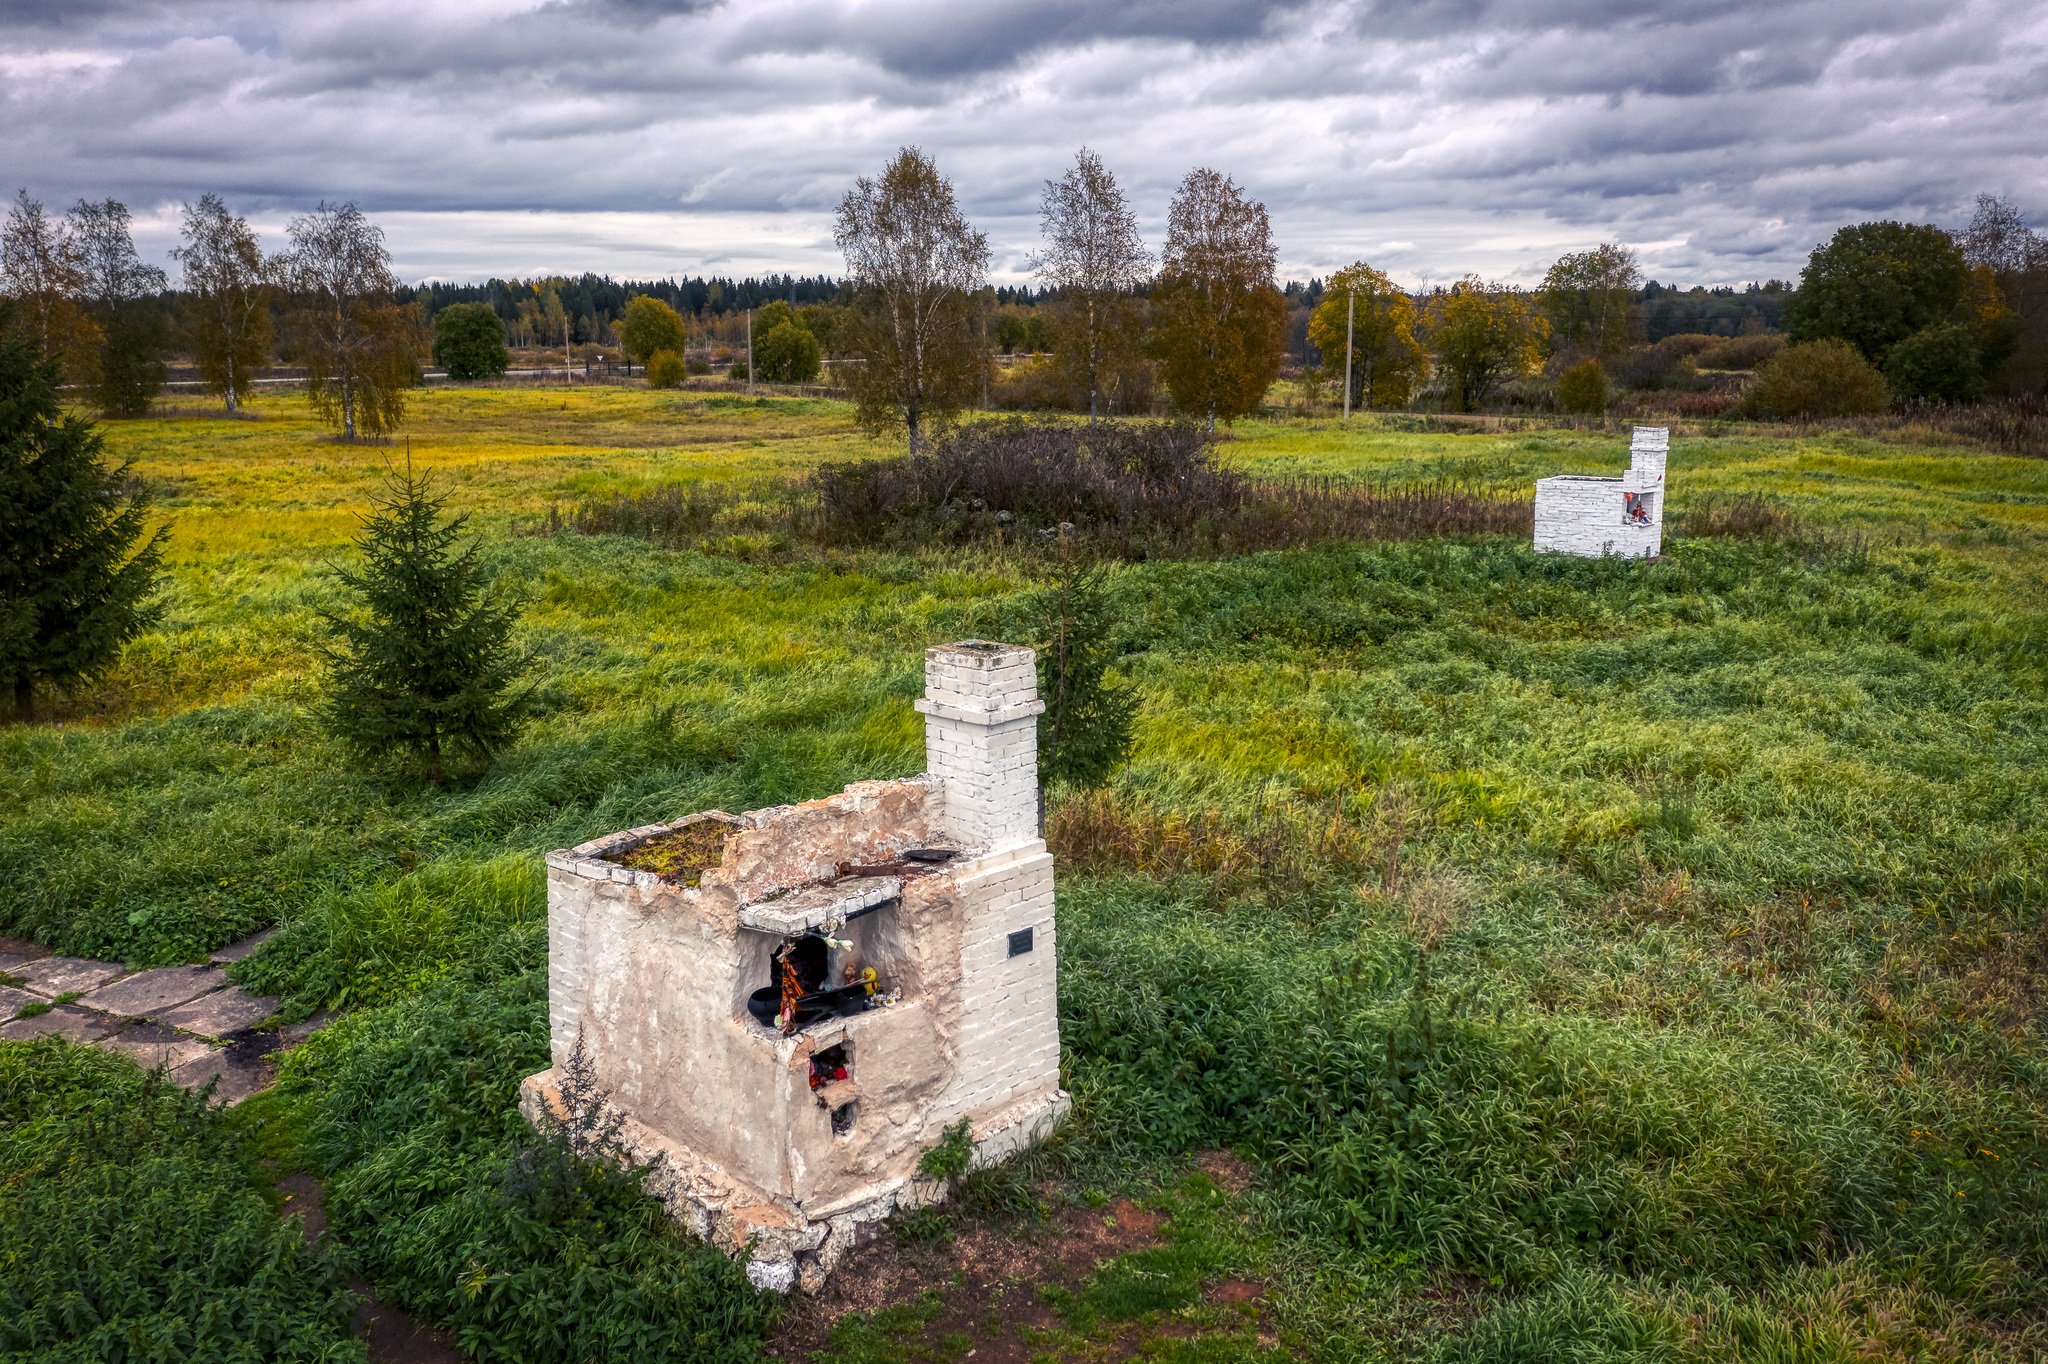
1429 137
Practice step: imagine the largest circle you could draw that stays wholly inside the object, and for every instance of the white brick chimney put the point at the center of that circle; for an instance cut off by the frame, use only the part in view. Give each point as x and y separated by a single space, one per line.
981 712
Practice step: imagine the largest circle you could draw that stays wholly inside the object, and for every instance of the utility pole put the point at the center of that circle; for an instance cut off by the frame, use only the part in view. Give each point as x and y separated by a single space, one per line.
1350 316
750 350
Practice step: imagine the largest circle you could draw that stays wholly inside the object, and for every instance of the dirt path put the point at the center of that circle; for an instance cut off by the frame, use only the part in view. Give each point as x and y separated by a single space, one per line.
394 1336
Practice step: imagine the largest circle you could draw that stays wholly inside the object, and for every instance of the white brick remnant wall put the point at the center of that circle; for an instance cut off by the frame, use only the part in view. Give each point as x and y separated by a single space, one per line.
653 980
1594 517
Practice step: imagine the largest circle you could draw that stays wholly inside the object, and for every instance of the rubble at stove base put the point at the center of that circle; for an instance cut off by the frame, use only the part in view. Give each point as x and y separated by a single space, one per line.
786 1249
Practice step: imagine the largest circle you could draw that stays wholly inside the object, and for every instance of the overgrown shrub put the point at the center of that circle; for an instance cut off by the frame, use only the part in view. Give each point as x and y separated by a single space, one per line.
1119 476
1817 379
1740 352
1668 364
786 354
665 369
1583 387
1938 364
135 1232
1132 489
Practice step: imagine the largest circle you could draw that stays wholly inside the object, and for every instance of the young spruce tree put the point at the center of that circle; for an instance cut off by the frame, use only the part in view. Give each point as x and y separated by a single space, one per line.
426 666
74 586
1085 732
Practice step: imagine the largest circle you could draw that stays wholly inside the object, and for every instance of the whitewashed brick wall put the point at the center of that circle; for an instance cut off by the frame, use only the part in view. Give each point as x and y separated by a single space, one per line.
981 711
1585 514
1009 1039
566 965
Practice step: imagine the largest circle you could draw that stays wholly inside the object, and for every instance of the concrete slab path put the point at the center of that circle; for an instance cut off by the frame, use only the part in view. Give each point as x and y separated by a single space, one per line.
189 1019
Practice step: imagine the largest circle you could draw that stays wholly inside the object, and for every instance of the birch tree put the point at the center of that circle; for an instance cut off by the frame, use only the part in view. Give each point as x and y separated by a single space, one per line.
360 349
42 268
916 265
1221 321
116 284
230 284
1587 295
1094 259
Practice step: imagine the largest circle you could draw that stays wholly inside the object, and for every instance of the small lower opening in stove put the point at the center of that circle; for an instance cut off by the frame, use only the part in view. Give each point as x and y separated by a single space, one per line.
832 1065
843 1118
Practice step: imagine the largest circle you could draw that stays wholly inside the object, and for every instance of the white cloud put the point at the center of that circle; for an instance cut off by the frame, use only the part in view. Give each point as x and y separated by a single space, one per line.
639 137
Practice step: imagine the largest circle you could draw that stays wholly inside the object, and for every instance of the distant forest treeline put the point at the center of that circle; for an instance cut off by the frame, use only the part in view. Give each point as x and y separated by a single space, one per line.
589 303
1663 309
534 311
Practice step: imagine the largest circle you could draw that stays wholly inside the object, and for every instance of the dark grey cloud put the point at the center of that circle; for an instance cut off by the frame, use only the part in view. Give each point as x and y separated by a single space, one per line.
32 15
943 39
1434 136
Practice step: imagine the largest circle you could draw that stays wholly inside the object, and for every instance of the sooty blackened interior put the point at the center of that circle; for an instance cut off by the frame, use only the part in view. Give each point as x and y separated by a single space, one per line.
803 991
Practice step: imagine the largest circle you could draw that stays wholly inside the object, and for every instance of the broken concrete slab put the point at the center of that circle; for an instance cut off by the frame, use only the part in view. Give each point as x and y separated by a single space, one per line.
151 992
62 975
803 910
240 1076
222 1012
79 1025
235 951
294 1033
12 1001
149 1047
11 962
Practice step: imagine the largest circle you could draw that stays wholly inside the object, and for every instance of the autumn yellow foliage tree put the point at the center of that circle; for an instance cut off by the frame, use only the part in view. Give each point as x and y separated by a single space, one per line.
1221 322
1483 334
42 268
1366 316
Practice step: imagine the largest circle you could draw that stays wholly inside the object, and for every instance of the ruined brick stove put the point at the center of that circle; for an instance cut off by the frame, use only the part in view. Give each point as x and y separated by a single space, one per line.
1594 516
791 1004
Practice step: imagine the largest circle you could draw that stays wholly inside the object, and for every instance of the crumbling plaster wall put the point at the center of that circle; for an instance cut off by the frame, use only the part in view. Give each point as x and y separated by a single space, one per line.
977 1027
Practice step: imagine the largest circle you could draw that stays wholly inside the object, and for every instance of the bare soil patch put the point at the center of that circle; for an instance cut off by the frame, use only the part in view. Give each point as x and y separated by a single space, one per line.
990 1291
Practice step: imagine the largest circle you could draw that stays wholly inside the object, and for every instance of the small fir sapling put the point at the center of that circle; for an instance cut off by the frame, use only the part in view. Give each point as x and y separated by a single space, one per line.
1085 732
428 664
579 1160
75 585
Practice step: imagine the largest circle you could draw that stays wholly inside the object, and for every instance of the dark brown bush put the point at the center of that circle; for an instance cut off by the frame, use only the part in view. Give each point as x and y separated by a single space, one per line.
1133 488
1744 517
1128 477
1740 352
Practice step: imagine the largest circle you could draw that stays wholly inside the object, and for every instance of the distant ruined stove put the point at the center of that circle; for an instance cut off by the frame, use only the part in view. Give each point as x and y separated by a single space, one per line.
791 1004
1595 516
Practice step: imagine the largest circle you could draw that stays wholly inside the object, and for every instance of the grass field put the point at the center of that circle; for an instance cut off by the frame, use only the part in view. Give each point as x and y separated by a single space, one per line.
1657 951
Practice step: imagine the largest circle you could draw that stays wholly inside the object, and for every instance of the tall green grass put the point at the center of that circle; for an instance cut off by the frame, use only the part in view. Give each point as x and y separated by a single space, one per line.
1653 950
135 1227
